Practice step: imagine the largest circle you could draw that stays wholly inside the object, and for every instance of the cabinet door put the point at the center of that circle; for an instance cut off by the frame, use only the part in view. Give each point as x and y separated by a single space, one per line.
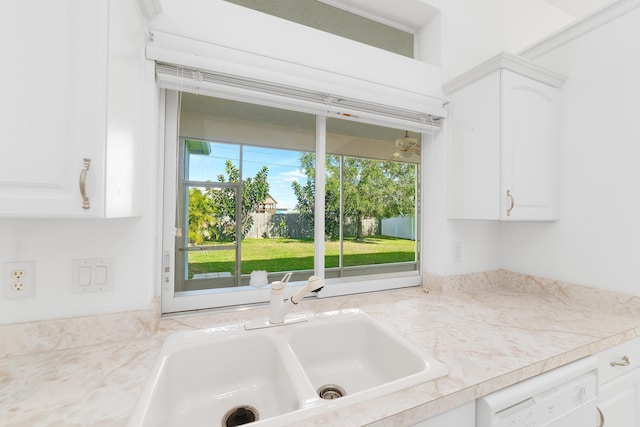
529 129
52 112
619 400
474 151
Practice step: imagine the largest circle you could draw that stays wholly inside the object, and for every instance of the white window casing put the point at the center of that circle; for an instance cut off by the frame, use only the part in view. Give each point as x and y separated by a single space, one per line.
189 65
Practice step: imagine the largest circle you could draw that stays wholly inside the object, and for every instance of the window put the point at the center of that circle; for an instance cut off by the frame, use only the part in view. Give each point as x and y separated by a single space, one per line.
245 185
233 178
371 200
321 16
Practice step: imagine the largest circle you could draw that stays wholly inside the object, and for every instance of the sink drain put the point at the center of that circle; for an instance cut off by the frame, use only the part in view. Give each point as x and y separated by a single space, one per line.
240 415
331 391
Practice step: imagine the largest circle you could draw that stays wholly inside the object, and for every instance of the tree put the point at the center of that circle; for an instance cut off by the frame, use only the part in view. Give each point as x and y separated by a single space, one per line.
370 188
214 210
202 218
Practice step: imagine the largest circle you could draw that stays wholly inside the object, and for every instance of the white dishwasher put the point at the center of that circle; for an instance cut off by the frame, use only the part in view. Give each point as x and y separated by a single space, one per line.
563 397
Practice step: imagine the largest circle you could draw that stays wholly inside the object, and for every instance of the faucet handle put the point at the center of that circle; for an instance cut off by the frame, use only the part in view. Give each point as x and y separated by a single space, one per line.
278 285
285 279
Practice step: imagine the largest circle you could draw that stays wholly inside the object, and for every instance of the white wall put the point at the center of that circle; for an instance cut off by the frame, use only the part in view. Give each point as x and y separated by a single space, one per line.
471 31
597 239
526 21
132 243
477 240
220 23
52 244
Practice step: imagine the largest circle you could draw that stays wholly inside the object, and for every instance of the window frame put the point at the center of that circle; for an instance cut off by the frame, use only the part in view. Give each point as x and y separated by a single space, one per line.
337 15
242 296
181 197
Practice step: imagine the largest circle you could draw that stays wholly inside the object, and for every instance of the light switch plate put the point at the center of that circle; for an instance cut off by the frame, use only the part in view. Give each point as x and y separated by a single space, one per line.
93 275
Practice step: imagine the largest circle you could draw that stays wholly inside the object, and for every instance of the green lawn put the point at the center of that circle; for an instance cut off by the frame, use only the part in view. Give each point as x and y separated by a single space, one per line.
297 254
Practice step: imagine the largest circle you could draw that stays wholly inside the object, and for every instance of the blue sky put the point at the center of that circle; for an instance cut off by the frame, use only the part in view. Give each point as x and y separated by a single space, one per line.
284 168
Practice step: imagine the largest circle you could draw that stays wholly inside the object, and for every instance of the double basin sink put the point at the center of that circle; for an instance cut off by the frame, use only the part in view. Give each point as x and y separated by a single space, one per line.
229 376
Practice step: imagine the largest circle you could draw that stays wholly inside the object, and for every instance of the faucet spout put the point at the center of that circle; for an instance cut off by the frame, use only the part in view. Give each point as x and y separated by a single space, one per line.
314 284
279 307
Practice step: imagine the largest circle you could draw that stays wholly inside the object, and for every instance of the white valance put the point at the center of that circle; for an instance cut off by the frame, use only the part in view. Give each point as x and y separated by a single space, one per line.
213 70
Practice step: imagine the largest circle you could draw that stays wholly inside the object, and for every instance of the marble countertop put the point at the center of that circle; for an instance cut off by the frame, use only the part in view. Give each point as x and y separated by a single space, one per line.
490 330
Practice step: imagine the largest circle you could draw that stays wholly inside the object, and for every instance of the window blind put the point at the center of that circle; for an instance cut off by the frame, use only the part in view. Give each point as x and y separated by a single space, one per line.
240 88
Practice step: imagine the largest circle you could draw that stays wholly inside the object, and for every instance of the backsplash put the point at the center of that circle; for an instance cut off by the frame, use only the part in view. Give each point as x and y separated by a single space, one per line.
22 338
47 335
508 281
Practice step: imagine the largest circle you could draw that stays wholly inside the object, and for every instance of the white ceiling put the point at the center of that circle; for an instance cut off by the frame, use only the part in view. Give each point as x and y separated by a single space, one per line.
578 8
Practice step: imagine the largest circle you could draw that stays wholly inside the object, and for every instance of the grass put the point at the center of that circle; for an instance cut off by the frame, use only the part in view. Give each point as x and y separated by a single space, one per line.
297 254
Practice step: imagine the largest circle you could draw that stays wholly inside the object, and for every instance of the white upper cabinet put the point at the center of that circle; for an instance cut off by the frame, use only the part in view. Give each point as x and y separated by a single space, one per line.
73 90
504 118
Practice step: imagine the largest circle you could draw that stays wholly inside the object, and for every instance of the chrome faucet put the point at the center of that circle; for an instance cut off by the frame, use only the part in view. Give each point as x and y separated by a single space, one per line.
279 307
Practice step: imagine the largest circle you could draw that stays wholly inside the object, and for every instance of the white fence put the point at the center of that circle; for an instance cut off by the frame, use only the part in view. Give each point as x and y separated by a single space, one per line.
403 227
292 225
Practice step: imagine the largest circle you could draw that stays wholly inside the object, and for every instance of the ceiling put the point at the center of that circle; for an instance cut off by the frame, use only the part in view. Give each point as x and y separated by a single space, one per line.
578 8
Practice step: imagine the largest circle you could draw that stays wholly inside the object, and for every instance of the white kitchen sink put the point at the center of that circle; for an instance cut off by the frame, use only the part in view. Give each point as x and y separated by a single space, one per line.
356 354
203 376
278 375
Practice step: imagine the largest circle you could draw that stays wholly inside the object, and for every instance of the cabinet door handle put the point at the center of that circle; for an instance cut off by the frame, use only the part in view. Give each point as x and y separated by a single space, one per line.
512 202
601 416
625 362
83 183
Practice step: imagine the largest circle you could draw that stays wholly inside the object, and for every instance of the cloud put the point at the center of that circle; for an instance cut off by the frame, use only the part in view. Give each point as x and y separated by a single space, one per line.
290 176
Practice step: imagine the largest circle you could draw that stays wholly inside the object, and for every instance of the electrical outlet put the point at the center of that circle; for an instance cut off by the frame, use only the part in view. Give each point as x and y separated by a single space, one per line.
456 252
17 286
19 279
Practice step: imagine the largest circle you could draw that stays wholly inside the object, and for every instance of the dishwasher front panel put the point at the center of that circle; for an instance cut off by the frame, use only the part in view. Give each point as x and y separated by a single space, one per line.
563 397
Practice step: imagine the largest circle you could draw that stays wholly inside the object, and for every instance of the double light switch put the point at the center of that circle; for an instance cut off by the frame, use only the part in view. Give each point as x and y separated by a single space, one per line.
93 275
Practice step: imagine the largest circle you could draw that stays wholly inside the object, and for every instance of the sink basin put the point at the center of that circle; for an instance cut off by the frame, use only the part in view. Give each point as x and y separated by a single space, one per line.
357 354
201 378
278 376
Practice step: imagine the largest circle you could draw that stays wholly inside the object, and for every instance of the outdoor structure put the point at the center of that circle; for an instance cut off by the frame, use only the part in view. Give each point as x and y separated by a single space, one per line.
269 206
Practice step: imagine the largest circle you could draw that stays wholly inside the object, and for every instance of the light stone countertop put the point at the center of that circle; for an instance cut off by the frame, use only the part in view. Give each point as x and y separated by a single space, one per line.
491 330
